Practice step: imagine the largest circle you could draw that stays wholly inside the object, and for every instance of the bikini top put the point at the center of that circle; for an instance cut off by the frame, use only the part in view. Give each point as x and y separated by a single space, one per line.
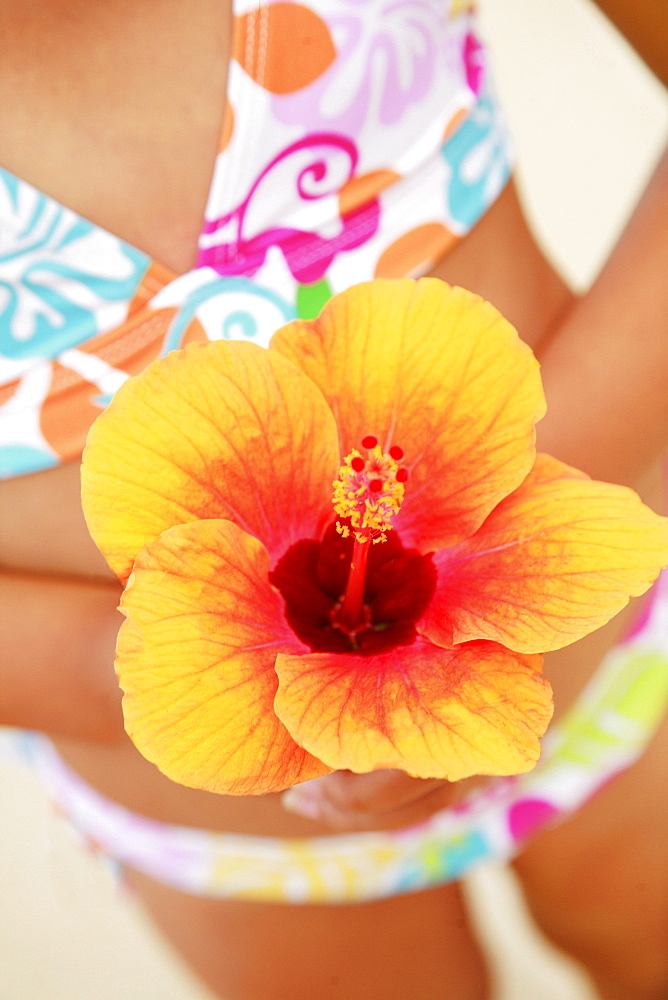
360 140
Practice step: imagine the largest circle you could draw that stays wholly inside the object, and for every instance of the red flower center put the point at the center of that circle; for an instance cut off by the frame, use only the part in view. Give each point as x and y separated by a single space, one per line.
312 577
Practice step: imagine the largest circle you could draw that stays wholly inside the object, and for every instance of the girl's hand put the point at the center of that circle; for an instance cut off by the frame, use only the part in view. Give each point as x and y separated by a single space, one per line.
379 800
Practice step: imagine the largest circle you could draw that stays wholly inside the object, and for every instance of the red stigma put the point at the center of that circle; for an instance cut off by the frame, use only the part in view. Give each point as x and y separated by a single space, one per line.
376 485
358 464
369 441
402 475
396 452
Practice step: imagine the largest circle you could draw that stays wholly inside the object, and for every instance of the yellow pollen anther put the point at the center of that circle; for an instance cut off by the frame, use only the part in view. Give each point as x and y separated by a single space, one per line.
367 494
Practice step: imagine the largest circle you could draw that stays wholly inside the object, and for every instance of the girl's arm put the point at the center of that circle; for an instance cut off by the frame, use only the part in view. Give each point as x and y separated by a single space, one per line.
644 24
57 641
605 367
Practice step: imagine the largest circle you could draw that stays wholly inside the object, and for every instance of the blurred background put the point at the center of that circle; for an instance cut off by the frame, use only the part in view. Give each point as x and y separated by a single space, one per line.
589 123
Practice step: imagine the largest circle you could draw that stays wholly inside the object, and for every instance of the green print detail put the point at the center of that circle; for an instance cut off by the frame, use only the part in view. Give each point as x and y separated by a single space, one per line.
311 298
630 706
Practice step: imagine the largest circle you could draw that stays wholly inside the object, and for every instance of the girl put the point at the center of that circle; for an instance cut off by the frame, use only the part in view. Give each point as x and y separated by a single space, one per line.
140 145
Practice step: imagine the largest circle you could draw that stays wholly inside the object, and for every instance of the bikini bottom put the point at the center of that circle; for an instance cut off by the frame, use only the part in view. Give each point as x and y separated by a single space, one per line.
603 733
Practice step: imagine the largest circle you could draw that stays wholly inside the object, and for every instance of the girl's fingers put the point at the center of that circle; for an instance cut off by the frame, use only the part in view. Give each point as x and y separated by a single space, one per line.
379 800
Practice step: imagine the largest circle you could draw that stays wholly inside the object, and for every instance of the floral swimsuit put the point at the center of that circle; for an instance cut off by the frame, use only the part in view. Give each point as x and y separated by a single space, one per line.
359 140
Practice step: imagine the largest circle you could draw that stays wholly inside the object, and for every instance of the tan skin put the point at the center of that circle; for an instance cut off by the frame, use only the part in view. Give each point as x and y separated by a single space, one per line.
129 140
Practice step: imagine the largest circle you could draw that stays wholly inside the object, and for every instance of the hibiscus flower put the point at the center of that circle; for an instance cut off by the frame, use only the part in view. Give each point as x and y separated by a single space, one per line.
279 626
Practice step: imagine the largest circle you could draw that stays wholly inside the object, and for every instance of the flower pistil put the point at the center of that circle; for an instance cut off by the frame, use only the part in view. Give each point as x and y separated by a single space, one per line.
368 494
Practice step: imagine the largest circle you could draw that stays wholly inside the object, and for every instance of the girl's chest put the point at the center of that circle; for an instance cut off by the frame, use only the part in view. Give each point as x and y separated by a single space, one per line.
115 109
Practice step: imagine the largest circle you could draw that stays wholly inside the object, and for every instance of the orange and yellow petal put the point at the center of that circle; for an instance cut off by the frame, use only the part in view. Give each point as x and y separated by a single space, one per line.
196 661
554 561
438 372
436 713
218 430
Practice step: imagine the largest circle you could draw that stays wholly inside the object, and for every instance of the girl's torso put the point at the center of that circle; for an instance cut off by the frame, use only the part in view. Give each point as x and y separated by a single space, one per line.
115 110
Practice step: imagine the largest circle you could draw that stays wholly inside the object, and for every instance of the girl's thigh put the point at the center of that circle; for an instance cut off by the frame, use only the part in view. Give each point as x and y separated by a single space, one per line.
418 946
598 884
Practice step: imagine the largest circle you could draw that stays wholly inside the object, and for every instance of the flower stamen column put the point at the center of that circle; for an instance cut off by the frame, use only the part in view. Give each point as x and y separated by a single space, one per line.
368 493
